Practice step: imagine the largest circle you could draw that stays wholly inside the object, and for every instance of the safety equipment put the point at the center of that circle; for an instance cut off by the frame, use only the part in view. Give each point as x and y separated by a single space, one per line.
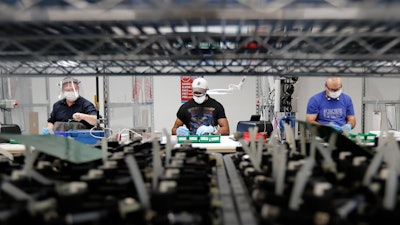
199 84
71 95
205 130
199 100
69 80
334 94
45 131
337 127
73 87
182 131
347 127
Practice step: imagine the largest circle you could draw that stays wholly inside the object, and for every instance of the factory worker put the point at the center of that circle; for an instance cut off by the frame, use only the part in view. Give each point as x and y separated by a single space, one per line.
202 114
332 107
72 111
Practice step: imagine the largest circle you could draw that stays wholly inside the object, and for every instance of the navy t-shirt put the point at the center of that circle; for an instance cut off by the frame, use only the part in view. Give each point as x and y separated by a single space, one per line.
63 113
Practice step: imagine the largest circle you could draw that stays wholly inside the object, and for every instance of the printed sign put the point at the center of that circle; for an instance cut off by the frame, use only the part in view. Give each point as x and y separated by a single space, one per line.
186 88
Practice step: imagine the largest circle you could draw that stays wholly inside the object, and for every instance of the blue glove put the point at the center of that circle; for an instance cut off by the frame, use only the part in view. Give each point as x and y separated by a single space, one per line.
182 131
347 127
45 131
205 130
337 127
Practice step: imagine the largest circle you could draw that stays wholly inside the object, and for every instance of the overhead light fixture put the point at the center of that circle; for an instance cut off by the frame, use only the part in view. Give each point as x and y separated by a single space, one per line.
67 63
231 88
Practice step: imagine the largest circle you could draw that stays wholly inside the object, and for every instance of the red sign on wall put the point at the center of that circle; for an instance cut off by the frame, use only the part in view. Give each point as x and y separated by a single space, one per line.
186 88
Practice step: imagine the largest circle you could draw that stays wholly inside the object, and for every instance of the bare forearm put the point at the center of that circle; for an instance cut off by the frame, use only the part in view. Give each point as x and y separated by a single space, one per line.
223 130
91 119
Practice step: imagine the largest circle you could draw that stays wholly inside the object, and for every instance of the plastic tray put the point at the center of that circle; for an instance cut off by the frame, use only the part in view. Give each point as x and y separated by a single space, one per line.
199 139
364 138
83 136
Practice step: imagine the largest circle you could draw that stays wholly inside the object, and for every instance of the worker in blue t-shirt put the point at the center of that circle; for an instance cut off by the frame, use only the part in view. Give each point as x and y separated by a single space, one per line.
332 107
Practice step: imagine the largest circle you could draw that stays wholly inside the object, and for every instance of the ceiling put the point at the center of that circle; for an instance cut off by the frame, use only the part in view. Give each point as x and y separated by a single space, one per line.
200 37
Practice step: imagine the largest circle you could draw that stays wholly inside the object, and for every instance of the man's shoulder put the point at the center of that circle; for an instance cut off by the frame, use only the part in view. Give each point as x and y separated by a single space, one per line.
187 104
81 99
318 96
60 102
346 97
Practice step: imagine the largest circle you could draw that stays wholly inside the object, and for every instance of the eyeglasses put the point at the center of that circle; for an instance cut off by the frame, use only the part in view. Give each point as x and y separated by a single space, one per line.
333 90
70 90
198 94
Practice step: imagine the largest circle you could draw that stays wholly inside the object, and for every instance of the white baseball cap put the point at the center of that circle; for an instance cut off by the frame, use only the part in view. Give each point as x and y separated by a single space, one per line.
200 84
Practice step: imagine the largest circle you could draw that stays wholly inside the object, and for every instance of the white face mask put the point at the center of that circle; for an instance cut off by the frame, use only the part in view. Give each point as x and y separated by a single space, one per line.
335 94
71 95
200 99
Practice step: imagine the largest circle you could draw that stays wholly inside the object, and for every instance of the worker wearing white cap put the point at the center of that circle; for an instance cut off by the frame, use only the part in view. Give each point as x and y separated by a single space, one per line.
202 114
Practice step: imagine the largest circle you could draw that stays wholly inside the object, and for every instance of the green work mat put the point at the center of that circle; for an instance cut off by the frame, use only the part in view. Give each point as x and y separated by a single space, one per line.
64 148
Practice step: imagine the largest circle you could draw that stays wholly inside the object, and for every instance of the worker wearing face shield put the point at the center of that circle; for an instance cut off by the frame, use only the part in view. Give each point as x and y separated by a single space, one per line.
332 107
72 111
202 114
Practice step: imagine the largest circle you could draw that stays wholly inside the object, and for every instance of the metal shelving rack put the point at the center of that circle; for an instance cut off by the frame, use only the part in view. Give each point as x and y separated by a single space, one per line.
215 37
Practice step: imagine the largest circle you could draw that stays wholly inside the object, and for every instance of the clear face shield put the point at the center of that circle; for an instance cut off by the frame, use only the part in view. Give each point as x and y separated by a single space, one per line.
69 88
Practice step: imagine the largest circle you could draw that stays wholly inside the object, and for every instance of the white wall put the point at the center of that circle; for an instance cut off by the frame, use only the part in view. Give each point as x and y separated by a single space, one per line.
238 106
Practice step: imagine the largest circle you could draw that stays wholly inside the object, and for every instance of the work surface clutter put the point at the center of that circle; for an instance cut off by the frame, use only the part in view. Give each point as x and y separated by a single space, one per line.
328 180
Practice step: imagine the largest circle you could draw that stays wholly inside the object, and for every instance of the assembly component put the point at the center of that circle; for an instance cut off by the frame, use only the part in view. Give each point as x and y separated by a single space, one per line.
128 205
229 214
167 186
42 206
301 179
85 217
15 191
108 165
138 181
93 174
71 188
18 175
240 194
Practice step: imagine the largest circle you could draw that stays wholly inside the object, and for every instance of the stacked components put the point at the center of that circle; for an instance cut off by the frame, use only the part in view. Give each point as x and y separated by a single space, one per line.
324 178
327 179
136 183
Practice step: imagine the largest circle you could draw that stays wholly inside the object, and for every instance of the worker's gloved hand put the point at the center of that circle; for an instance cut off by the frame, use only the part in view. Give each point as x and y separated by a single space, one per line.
182 131
347 127
205 130
45 131
337 127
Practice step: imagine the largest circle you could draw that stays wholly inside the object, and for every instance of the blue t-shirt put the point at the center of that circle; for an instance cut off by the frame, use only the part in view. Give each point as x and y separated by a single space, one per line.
330 110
